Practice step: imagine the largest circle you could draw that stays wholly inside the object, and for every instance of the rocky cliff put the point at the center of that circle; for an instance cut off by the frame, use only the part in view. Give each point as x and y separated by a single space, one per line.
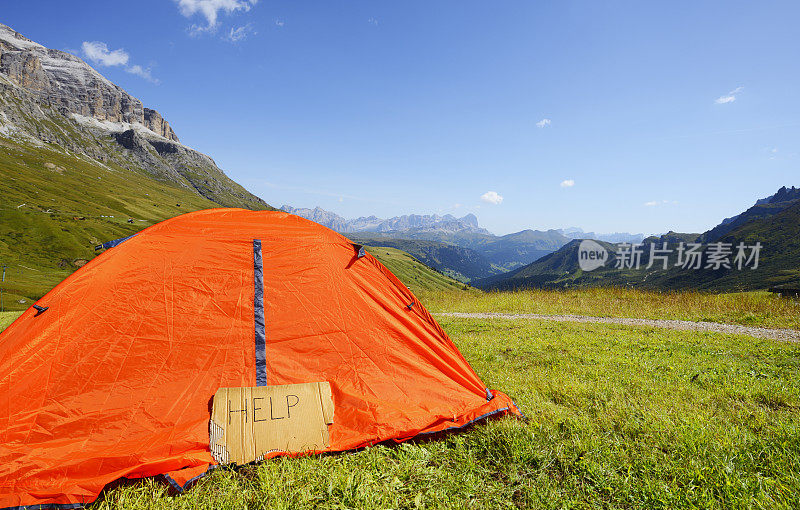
69 85
405 223
50 97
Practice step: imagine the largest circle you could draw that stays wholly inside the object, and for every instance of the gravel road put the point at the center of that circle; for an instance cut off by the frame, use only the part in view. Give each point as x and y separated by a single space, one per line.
785 335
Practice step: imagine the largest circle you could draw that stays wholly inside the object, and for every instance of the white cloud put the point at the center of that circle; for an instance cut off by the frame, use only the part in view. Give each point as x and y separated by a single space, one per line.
652 203
210 10
279 22
543 123
142 73
492 197
99 54
567 183
240 33
729 97
373 21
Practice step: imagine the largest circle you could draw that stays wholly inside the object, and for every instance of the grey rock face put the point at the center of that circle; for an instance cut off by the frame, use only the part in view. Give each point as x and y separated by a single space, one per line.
70 85
405 223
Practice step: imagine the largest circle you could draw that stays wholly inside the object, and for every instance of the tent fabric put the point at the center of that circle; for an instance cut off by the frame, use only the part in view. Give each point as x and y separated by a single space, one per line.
115 379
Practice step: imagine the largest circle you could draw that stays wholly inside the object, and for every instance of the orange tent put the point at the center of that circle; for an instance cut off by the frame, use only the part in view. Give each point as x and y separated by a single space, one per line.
110 375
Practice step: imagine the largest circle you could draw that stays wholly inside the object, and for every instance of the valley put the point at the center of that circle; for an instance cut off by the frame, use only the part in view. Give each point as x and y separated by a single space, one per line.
774 222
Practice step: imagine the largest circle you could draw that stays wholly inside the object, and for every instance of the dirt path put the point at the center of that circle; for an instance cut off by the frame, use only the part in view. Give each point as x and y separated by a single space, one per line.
786 335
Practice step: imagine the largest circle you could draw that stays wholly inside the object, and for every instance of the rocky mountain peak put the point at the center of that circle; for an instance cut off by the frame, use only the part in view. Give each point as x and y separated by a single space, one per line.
470 219
784 195
405 223
65 82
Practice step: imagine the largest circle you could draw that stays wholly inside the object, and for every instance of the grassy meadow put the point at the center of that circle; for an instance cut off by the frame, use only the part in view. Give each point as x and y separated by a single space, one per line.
7 318
630 417
761 309
618 417
56 206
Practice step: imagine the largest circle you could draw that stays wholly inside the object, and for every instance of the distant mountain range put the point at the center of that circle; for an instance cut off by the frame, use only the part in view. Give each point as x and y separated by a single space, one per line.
456 246
616 237
410 222
773 221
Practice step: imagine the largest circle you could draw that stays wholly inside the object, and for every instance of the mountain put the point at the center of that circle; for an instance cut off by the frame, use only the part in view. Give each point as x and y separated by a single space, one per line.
780 258
616 237
481 253
413 273
517 249
83 162
503 253
557 269
763 208
52 98
774 222
457 262
411 222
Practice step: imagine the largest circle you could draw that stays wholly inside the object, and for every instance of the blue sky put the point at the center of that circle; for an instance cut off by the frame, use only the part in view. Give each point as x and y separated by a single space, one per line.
610 116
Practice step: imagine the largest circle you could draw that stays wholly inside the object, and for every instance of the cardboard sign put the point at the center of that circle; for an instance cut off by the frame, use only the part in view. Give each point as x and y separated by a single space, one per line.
248 423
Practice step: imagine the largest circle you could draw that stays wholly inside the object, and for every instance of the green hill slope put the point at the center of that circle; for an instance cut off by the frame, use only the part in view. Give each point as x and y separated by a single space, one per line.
455 261
763 209
56 207
514 250
416 275
83 162
503 252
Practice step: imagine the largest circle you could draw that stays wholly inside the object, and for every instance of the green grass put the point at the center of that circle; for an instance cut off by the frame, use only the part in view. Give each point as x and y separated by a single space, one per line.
457 262
619 417
416 275
7 318
56 207
746 308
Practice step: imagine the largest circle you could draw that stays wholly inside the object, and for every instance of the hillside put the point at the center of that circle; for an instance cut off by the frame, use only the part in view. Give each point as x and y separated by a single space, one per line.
557 269
469 255
780 235
83 162
502 252
482 253
56 207
520 248
774 222
763 209
416 275
455 261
